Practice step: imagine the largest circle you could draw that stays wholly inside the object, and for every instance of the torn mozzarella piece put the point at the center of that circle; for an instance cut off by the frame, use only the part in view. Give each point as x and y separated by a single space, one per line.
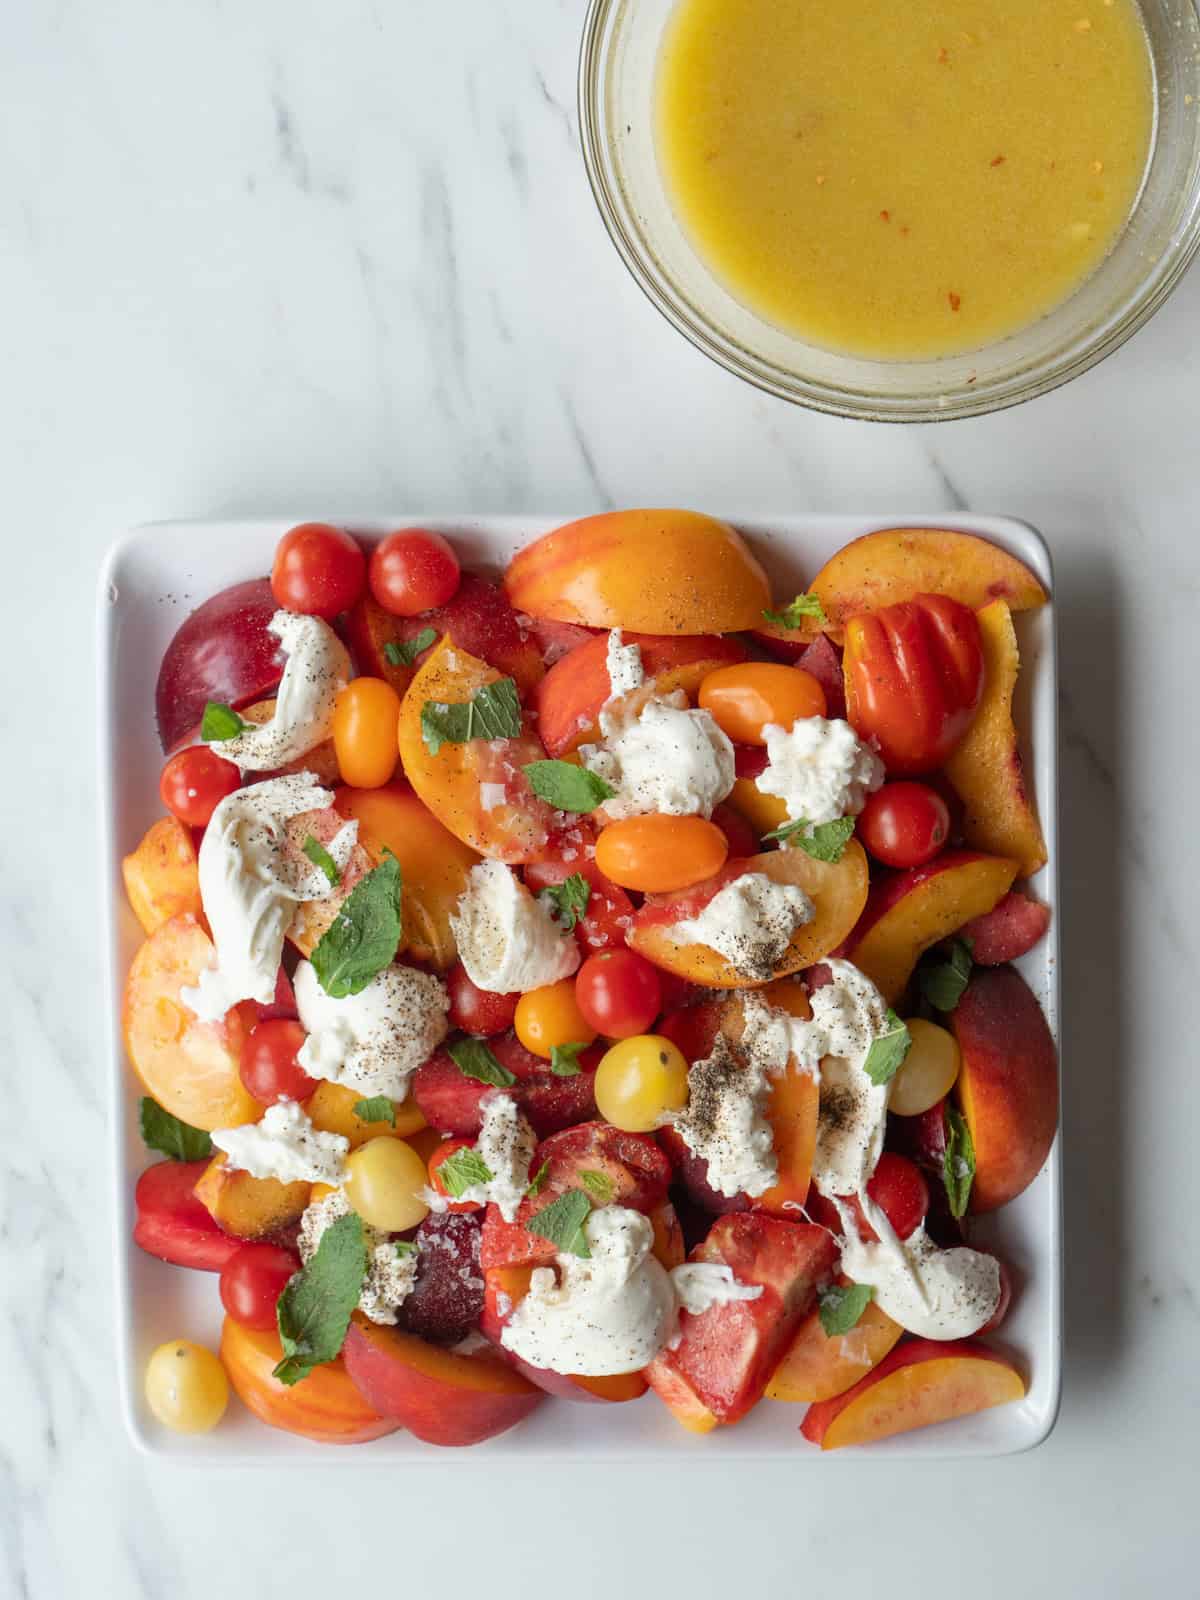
725 1123
819 768
624 662
375 1040
661 758
750 922
701 1285
285 1146
318 667
508 941
505 1145
391 1271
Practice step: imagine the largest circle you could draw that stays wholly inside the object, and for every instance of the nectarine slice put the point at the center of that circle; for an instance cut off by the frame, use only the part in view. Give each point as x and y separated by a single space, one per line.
162 877
652 571
325 1406
818 1366
246 1206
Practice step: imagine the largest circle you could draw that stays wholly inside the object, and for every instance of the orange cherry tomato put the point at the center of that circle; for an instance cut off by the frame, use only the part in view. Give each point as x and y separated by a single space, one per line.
657 854
551 1016
366 717
745 698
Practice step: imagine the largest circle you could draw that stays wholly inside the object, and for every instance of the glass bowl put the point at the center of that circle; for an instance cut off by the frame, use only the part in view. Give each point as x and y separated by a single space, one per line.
616 103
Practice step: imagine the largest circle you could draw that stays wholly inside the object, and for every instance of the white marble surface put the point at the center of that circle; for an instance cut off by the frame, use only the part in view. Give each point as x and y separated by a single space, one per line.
276 258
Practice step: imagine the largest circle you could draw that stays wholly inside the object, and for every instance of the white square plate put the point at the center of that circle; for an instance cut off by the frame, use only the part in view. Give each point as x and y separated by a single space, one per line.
157 574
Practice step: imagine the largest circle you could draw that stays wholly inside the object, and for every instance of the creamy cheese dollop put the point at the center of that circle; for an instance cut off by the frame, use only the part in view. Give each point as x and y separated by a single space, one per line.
750 922
624 662
284 1145
505 1145
317 668
375 1040
250 884
725 1123
508 941
849 1014
819 768
603 1315
391 1272
701 1285
661 757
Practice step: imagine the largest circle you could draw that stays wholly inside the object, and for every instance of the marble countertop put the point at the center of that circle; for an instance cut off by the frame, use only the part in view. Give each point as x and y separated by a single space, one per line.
279 259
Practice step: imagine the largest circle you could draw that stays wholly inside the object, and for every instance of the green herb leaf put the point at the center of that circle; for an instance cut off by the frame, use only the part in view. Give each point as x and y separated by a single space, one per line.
314 1309
958 1162
474 1060
943 983
794 613
825 842
221 722
562 1223
405 1247
841 1305
538 1182
567 787
564 1060
568 899
377 1109
403 652
886 1053
163 1131
462 1170
493 712
599 1185
320 857
362 939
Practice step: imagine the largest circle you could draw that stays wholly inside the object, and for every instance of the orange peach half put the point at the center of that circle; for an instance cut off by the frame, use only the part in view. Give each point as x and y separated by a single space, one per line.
162 878
652 571
325 1406
246 1206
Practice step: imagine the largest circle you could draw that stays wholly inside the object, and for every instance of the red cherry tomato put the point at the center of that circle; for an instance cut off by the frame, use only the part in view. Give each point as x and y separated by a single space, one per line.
253 1279
269 1067
319 570
194 783
619 993
904 824
443 1151
412 571
476 1011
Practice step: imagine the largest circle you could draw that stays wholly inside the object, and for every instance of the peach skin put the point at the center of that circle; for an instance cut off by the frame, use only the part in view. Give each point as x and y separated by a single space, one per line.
652 571
325 1406
162 878
246 1206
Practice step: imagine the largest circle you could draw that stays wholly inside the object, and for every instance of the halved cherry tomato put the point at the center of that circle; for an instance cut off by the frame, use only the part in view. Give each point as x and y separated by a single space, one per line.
253 1279
194 783
442 1153
550 1017
745 699
914 675
619 993
660 854
475 1010
366 715
412 571
319 570
904 824
269 1069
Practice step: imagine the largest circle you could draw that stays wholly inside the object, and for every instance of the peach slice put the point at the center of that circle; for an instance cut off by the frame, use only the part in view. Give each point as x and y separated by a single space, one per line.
895 564
513 828
246 1206
569 697
162 879
819 1367
434 865
439 1395
838 891
909 911
190 1067
325 1406
986 768
918 1383
313 918
330 1108
1007 1085
652 571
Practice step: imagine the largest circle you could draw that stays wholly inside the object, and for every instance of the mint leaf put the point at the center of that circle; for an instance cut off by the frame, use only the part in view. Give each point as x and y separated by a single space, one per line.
377 1109
221 722
569 899
320 857
887 1052
824 841
538 1182
474 1060
493 712
314 1309
942 984
403 652
562 1223
567 787
599 1185
163 1131
462 1170
958 1162
564 1060
841 1305
794 613
405 1247
363 937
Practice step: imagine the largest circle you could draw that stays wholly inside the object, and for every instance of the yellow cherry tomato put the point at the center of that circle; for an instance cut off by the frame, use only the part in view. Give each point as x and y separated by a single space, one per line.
657 854
366 717
639 1081
743 699
383 1182
551 1016
186 1387
927 1072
